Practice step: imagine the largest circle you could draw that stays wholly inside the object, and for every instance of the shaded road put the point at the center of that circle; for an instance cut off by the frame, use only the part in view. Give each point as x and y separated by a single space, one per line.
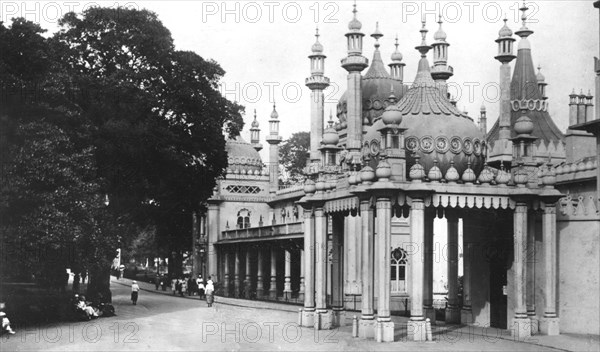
166 323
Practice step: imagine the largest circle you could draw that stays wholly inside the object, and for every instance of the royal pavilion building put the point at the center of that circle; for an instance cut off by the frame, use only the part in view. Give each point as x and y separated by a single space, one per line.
519 202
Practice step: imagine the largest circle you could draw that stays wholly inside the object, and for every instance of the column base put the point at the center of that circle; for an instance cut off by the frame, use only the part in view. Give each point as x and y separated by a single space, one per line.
549 326
273 295
287 294
430 313
339 317
416 330
325 320
384 331
308 317
521 328
366 328
301 296
535 324
260 293
466 316
247 291
452 315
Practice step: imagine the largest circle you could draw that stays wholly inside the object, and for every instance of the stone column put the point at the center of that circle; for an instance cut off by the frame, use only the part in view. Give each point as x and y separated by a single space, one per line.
273 285
214 229
309 269
321 269
549 324
226 292
260 288
416 324
247 282
236 274
337 283
301 290
466 314
453 309
521 325
287 284
384 329
428 267
530 260
366 328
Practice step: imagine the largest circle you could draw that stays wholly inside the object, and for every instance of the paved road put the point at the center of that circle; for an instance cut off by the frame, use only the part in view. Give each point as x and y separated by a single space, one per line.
165 323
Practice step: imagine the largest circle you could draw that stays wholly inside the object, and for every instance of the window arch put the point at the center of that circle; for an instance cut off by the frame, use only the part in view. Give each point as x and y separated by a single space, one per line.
399 278
243 219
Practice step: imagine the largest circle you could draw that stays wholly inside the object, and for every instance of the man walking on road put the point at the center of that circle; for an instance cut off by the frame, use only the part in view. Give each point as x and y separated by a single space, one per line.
135 288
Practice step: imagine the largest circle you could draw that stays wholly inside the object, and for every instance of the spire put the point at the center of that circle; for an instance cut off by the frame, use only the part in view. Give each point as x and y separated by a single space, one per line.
440 35
377 68
355 24
255 122
255 134
423 74
423 48
440 70
317 47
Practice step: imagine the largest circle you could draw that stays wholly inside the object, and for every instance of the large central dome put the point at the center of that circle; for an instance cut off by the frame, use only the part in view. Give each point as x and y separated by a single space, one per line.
435 129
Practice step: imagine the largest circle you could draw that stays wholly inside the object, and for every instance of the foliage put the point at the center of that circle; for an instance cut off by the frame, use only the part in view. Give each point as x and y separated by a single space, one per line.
106 109
293 154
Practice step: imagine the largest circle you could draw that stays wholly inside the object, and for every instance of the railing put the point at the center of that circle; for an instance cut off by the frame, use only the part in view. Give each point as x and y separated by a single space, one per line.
295 228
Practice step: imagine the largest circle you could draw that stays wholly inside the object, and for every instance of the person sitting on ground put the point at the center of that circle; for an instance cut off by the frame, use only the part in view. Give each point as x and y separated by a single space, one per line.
88 310
6 324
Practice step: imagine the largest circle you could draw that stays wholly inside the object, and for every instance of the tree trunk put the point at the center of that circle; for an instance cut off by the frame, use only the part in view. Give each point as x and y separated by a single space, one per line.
99 283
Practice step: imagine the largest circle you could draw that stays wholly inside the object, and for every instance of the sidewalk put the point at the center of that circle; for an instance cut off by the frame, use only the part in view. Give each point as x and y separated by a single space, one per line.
442 334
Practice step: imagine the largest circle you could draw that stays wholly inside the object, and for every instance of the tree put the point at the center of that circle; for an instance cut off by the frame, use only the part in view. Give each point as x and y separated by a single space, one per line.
148 121
293 154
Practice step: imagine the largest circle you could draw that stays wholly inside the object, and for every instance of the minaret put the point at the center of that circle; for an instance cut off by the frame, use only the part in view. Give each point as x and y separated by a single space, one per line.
274 139
505 56
397 66
541 82
440 71
354 63
483 120
255 134
317 82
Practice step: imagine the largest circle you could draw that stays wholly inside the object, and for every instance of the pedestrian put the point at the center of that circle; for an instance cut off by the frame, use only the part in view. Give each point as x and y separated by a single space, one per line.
178 286
200 285
6 324
135 288
157 281
210 289
191 286
174 286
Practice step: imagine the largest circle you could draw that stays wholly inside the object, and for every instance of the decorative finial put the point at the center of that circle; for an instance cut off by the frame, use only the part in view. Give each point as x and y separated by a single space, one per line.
396 43
440 19
423 48
354 9
524 32
330 122
377 34
317 33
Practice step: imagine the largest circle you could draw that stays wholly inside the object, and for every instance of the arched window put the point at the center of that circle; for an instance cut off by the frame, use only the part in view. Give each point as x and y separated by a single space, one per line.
399 272
243 219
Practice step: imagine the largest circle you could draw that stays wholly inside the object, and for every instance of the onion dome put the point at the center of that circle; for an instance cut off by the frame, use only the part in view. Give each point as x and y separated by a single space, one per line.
330 135
505 31
435 174
353 178
274 114
317 47
396 55
486 176
452 174
367 175
482 108
417 172
309 187
383 171
320 186
503 176
539 76
392 114
440 35
523 126
355 24
469 176
520 176
549 176
255 121
242 157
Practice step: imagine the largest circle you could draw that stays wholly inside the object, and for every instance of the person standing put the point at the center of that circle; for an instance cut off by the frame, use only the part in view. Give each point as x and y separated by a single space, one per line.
210 290
135 289
200 285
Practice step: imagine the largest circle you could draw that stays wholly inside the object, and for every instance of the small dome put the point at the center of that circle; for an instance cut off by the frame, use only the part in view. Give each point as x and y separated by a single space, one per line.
317 48
505 31
397 56
392 115
354 25
242 157
274 114
482 108
539 76
330 137
524 125
440 35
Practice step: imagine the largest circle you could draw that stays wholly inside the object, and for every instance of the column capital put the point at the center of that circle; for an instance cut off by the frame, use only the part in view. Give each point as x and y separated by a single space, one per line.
550 209
418 204
521 207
